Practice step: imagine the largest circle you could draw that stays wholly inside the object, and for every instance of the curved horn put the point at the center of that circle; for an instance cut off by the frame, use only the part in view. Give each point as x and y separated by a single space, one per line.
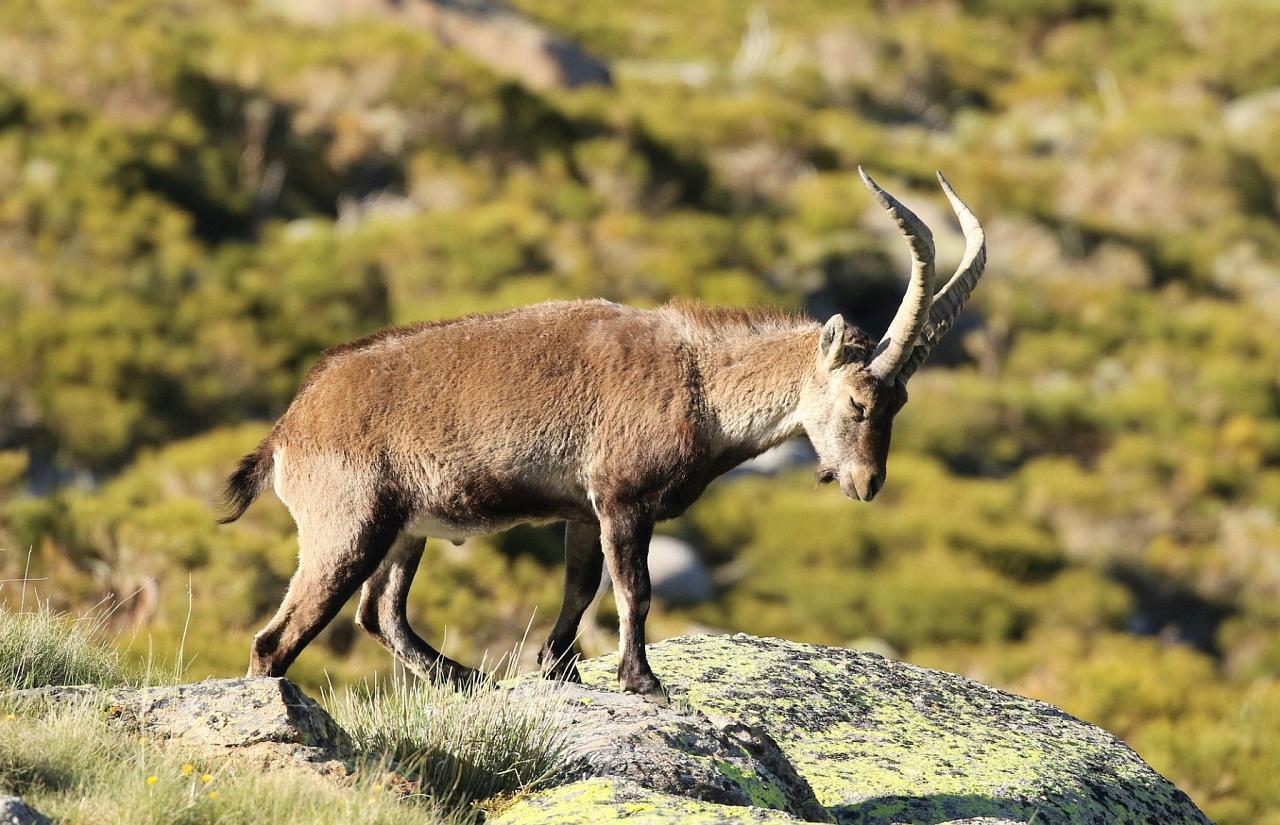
950 299
896 346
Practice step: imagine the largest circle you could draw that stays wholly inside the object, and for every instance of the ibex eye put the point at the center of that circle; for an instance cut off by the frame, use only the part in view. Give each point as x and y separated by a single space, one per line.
859 411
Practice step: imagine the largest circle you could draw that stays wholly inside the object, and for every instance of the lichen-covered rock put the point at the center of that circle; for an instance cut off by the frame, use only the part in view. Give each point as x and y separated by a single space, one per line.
673 750
880 741
13 811
258 717
607 800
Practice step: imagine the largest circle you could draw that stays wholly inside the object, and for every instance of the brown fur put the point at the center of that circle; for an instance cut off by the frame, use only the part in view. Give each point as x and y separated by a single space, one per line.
604 416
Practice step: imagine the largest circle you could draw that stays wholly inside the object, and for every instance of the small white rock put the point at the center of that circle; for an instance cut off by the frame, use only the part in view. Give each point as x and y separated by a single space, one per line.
676 572
13 811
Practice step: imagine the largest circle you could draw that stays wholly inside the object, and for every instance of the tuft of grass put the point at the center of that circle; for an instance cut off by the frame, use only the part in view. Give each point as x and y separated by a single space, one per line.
40 647
460 746
427 753
73 765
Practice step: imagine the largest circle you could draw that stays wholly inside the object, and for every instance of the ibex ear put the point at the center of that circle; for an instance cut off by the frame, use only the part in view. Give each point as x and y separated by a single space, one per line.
831 348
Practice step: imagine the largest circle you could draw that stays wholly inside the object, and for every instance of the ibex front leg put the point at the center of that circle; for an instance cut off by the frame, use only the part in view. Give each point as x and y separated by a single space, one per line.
625 541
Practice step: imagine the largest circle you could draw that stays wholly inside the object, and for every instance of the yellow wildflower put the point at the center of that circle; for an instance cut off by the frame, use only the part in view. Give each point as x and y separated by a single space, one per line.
213 794
207 778
151 780
187 769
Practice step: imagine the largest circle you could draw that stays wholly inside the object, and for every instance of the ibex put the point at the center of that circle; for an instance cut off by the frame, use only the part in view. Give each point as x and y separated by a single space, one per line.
606 417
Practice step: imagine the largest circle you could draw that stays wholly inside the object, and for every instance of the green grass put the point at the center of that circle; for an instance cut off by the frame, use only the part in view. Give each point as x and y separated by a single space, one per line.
426 754
39 647
462 746
76 767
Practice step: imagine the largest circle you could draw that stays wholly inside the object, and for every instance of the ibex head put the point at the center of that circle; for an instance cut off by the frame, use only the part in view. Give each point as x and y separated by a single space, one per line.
856 389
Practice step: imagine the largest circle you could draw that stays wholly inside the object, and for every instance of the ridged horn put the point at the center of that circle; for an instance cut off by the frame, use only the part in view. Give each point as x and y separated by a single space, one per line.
896 346
951 298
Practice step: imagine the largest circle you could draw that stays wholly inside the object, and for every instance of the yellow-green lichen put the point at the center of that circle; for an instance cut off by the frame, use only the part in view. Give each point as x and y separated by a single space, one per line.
880 741
604 800
761 794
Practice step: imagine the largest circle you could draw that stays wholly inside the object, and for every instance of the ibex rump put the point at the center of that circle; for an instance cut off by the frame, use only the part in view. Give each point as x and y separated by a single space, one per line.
606 417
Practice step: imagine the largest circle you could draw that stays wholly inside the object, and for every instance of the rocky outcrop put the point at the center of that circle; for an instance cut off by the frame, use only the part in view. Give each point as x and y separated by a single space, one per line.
758 731
673 750
869 740
607 800
267 719
604 800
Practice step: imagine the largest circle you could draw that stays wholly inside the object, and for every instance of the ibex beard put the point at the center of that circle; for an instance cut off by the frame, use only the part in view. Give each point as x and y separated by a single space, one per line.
605 417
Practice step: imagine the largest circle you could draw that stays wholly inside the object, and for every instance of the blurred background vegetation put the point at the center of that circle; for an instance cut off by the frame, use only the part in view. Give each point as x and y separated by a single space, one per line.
197 197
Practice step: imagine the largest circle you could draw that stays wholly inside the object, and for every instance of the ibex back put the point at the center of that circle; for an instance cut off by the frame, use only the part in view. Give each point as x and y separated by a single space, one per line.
605 417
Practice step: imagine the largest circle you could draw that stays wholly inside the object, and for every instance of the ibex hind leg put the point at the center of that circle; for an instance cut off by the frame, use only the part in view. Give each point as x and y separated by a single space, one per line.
583 563
335 555
383 614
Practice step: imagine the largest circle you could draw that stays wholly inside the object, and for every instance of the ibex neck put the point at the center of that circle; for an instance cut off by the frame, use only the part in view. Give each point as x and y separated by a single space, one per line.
753 384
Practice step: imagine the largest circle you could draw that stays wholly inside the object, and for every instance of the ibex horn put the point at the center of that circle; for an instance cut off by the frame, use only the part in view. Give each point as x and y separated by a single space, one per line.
896 346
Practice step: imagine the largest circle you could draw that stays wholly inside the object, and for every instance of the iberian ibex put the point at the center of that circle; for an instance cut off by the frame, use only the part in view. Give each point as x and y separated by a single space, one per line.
603 416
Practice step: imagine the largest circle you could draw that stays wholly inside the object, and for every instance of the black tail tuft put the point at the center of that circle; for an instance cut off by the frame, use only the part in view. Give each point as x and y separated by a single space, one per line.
246 483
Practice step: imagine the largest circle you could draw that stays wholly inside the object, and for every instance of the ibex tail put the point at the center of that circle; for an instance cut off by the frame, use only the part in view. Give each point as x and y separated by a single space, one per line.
248 481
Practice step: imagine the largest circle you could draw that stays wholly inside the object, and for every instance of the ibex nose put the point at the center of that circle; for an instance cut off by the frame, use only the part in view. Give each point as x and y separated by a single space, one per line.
863 485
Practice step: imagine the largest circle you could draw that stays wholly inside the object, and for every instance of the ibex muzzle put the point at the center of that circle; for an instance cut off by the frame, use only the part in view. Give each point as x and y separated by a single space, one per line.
603 416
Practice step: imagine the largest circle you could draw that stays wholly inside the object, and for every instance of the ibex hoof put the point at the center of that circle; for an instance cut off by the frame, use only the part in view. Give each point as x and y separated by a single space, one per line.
648 687
563 673
460 677
482 682
559 667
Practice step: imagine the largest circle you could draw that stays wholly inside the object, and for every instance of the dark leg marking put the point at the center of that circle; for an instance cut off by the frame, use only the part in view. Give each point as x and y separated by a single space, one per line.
625 542
583 562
